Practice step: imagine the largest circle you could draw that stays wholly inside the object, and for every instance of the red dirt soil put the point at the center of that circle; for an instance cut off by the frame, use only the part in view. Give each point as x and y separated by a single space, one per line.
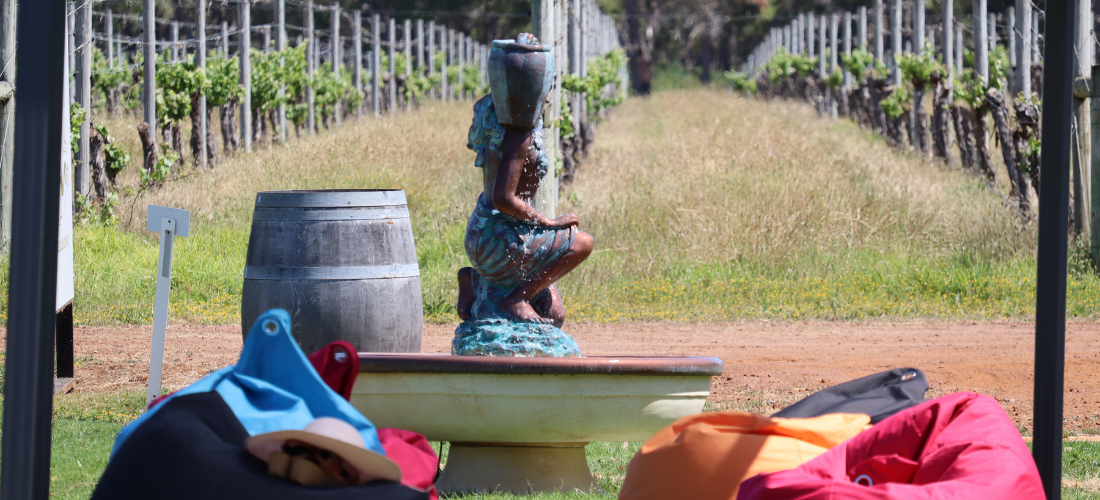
768 364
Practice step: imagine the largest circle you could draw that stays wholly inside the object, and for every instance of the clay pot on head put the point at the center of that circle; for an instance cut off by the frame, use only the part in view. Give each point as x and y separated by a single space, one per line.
520 76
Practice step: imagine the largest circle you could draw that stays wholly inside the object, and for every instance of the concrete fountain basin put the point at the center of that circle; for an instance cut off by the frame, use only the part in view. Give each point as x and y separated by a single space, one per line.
520 424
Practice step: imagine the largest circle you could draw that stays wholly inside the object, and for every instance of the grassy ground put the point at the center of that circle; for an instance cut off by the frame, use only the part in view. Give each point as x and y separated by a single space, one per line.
85 427
703 206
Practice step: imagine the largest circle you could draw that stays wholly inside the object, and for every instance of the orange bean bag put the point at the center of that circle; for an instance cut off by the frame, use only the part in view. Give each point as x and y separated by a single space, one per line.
706 456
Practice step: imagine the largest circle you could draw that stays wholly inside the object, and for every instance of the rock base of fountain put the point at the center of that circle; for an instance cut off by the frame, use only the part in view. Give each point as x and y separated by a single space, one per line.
502 337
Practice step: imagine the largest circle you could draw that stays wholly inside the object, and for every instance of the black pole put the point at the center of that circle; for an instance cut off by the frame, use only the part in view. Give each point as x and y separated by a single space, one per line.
1050 284
28 380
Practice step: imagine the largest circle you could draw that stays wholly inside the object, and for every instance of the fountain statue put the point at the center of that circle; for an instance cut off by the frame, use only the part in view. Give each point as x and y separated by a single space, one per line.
507 299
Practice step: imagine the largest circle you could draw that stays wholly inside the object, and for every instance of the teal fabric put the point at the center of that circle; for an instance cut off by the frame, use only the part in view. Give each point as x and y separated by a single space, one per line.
273 387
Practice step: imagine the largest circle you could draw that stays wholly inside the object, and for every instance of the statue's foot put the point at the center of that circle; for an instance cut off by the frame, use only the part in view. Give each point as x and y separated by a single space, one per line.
521 310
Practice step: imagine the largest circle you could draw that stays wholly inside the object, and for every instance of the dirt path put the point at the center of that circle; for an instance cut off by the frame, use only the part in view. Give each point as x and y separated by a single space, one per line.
768 364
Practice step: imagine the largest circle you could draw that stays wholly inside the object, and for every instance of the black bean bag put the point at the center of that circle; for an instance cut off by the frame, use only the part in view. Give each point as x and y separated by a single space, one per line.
879 395
193 448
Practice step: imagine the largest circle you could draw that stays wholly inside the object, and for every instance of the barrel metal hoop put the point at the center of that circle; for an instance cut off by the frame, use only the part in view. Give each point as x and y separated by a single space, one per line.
330 198
363 213
330 273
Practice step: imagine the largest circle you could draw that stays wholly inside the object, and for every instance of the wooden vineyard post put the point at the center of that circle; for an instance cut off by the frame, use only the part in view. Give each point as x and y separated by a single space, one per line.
335 58
445 91
1012 52
992 30
822 69
1082 70
175 33
406 33
266 32
245 39
1023 66
109 24
918 28
311 63
811 28
391 86
834 22
225 39
958 48
431 57
948 63
847 52
1094 160
280 46
149 99
419 47
376 62
200 64
542 26
879 28
7 118
981 41
84 44
895 40
460 48
357 39
863 27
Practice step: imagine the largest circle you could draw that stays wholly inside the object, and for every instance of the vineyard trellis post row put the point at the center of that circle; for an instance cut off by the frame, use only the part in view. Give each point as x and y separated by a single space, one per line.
244 23
200 63
7 118
174 31
420 65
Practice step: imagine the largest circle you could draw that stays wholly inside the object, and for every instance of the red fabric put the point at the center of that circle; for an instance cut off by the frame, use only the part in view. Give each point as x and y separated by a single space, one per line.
410 451
158 400
958 446
339 375
416 457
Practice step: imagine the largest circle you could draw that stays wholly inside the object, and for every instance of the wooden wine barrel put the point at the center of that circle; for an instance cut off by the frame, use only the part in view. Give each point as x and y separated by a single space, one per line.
341 262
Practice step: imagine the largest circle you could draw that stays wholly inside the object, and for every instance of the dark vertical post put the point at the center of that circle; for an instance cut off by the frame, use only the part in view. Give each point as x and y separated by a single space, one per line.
1050 283
63 342
28 381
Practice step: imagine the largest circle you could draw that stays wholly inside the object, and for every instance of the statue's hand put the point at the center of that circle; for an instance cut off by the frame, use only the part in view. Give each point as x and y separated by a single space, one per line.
566 220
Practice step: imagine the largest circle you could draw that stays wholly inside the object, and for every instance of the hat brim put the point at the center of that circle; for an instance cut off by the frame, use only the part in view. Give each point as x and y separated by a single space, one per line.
365 461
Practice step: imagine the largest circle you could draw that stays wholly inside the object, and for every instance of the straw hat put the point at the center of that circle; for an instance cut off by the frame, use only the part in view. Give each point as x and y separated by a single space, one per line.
330 434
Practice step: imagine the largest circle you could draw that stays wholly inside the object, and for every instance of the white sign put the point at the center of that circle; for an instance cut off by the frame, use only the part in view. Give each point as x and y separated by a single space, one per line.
169 222
65 288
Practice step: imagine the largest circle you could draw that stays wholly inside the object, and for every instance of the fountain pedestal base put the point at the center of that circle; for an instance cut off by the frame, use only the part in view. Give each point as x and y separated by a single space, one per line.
530 468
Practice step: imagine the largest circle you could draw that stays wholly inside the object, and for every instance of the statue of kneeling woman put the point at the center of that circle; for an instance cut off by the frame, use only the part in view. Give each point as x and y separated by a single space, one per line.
516 253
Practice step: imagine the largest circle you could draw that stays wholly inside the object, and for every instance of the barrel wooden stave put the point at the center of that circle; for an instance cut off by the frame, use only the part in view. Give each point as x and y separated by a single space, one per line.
343 268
